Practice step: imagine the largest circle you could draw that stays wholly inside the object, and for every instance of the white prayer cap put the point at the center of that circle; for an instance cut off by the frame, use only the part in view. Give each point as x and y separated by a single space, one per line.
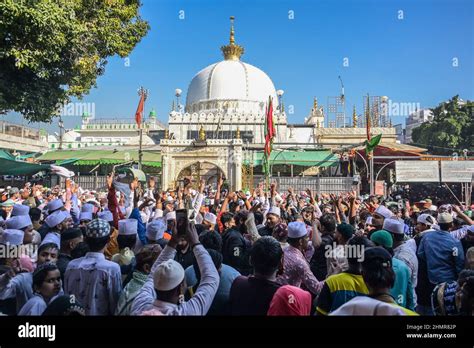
128 227
393 226
56 218
168 275
12 237
211 218
297 229
85 215
106 215
383 211
19 222
20 209
170 216
55 204
426 219
445 218
52 237
155 229
274 211
169 200
89 208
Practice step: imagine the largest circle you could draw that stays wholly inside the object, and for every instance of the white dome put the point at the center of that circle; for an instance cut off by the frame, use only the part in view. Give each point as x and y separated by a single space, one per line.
230 80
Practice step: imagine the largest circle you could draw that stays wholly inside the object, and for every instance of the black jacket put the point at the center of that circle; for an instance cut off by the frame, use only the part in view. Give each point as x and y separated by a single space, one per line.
265 231
235 251
318 263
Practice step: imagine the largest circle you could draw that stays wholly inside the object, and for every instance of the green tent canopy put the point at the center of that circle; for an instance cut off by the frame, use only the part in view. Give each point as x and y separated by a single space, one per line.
10 166
94 157
322 158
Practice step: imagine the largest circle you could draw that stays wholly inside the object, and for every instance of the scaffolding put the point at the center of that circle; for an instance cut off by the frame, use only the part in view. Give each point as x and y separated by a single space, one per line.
336 112
378 111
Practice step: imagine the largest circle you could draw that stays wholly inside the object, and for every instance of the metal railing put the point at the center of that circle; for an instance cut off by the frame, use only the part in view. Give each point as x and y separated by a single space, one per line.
315 184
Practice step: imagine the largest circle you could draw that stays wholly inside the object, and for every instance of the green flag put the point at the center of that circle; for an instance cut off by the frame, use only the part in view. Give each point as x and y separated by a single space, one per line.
371 144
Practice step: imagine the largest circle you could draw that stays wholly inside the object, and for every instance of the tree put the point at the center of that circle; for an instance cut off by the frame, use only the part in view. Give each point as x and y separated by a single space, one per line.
452 128
53 50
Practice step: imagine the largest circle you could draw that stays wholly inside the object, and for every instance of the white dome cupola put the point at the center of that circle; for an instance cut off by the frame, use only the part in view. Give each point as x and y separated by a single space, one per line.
230 85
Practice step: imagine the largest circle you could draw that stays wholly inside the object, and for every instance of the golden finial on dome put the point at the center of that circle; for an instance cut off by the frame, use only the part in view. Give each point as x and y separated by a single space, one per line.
202 133
232 38
315 103
232 51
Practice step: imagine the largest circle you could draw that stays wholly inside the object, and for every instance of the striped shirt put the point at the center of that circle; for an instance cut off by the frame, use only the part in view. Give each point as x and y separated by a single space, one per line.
339 289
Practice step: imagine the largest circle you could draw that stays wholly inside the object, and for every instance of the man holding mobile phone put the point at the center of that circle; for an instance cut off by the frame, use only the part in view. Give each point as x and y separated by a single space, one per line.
184 254
163 292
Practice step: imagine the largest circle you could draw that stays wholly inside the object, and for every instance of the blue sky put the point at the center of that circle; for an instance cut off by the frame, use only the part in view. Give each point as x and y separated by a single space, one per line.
409 59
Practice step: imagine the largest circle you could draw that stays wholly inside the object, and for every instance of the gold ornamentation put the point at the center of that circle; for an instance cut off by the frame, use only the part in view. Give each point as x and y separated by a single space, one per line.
202 133
232 51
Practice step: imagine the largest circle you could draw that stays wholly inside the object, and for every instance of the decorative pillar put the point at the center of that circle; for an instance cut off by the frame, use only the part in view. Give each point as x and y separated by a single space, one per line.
237 165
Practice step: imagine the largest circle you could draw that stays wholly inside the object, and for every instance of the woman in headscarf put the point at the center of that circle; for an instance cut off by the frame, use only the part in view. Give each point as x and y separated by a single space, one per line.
290 301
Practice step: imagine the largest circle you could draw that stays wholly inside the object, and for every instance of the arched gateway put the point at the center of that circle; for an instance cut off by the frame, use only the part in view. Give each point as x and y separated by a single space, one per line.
201 159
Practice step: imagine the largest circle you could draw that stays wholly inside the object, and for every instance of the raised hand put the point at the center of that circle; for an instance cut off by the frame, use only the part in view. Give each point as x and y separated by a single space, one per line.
110 180
220 180
255 207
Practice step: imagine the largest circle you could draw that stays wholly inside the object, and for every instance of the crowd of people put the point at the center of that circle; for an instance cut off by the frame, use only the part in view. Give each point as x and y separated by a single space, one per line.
128 251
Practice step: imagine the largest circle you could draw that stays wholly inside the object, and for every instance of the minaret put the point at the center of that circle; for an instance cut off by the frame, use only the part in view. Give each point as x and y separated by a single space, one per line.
316 116
232 51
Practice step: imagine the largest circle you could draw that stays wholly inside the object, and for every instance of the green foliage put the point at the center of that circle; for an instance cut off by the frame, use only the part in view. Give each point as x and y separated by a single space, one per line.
451 130
52 50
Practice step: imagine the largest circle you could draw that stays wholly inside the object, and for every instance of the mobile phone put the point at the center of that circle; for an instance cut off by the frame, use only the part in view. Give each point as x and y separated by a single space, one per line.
181 222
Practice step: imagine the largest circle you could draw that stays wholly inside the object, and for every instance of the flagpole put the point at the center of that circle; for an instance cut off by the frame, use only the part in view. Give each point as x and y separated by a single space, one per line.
370 154
142 92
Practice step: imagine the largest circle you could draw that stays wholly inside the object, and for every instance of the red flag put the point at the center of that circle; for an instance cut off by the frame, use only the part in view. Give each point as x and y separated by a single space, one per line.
139 113
269 128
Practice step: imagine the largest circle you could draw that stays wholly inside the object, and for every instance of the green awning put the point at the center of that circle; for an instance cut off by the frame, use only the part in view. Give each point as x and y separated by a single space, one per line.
94 157
321 158
10 166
